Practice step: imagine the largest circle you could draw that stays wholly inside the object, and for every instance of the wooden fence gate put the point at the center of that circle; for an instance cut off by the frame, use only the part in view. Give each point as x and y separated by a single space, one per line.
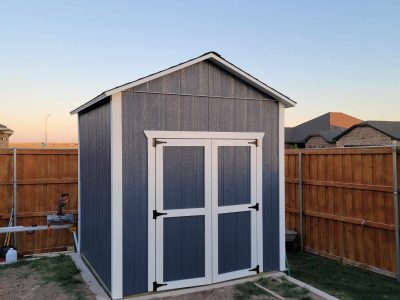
342 201
34 179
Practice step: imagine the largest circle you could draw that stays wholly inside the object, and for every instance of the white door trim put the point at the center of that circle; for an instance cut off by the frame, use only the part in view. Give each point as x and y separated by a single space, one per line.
203 135
151 135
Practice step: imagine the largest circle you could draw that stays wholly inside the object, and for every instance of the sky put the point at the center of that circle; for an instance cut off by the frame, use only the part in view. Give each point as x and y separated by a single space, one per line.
327 55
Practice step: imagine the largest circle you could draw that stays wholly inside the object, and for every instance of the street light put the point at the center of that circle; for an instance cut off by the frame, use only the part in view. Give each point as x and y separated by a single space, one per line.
45 131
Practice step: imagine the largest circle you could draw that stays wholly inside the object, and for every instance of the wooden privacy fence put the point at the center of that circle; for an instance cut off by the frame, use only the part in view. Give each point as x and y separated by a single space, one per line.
32 180
342 202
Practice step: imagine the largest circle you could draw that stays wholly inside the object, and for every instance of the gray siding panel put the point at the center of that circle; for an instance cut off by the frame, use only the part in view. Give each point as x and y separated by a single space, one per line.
233 175
143 111
95 168
183 177
234 242
184 247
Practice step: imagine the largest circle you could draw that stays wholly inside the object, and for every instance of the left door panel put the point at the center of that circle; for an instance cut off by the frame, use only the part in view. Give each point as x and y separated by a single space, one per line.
183 213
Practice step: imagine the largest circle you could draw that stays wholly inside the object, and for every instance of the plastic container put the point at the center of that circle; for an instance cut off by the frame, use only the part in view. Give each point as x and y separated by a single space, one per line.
11 256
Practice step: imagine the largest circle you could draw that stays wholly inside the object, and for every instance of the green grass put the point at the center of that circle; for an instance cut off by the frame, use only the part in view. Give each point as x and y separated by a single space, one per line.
280 286
59 269
246 290
283 287
342 281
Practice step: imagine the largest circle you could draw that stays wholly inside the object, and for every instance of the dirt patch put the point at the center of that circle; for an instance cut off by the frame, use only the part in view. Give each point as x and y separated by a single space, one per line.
225 293
26 283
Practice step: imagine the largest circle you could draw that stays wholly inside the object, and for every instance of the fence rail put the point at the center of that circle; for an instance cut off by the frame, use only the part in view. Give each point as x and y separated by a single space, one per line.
342 201
31 181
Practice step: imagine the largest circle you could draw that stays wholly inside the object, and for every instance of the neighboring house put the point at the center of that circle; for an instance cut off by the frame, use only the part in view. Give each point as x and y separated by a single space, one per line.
182 179
5 134
319 132
370 133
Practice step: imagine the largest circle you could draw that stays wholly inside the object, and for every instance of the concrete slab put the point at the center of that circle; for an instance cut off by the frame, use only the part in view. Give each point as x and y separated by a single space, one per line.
88 277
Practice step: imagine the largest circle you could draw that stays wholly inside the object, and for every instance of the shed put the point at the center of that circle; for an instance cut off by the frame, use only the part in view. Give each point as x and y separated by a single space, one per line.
181 179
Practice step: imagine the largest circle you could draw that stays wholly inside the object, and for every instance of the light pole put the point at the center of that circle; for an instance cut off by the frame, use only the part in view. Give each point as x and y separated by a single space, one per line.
45 130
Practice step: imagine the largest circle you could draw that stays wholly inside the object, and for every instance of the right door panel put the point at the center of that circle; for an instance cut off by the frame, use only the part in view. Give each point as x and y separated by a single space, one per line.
235 209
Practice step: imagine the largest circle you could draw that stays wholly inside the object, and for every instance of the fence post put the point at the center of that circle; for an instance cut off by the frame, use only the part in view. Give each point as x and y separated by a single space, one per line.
301 199
15 194
396 212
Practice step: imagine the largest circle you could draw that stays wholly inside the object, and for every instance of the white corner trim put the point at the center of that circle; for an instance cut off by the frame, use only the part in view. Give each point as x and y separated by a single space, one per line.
79 192
151 241
116 198
282 241
203 135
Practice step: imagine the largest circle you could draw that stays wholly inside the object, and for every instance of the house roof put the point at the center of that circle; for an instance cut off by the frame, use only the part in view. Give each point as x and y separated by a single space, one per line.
212 56
390 128
328 126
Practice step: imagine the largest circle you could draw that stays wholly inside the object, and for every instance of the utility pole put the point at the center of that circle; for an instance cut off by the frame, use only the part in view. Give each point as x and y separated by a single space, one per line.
45 130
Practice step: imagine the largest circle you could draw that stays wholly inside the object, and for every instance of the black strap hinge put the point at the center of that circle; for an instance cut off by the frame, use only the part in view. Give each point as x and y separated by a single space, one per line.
255 142
157 214
156 285
255 206
256 269
156 142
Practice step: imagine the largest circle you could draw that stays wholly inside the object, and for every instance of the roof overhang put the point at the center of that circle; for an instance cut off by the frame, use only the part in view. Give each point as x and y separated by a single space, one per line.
212 56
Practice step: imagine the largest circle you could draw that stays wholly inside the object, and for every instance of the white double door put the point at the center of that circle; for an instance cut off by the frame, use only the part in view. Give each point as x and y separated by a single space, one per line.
207 213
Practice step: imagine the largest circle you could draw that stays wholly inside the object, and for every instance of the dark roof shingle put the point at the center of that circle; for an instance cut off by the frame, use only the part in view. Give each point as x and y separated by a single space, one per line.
390 128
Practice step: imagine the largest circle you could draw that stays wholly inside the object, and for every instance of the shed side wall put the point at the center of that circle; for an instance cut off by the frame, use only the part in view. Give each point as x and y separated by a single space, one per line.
202 97
95 172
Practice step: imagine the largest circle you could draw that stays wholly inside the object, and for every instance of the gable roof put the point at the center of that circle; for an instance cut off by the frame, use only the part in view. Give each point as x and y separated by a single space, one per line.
212 56
327 135
390 128
328 126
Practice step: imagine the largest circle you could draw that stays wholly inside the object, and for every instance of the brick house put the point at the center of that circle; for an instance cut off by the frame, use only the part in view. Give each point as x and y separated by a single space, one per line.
5 134
319 132
370 133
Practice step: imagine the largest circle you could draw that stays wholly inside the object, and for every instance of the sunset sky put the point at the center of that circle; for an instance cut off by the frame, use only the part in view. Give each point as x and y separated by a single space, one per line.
327 55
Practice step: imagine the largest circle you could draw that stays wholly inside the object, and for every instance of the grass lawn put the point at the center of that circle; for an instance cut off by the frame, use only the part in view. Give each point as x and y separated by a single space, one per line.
339 280
281 286
59 270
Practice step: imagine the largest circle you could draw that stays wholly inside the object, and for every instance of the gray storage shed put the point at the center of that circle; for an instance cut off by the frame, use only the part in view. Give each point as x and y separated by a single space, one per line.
181 179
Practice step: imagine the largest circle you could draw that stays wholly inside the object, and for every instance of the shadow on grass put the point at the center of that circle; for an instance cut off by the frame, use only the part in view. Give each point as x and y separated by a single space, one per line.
342 281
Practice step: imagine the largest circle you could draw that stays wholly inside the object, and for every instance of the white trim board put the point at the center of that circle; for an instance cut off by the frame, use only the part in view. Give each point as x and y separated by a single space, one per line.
212 56
78 250
282 241
116 197
150 134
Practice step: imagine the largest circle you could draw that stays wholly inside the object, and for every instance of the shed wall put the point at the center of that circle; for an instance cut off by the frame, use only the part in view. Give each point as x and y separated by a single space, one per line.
95 176
202 97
